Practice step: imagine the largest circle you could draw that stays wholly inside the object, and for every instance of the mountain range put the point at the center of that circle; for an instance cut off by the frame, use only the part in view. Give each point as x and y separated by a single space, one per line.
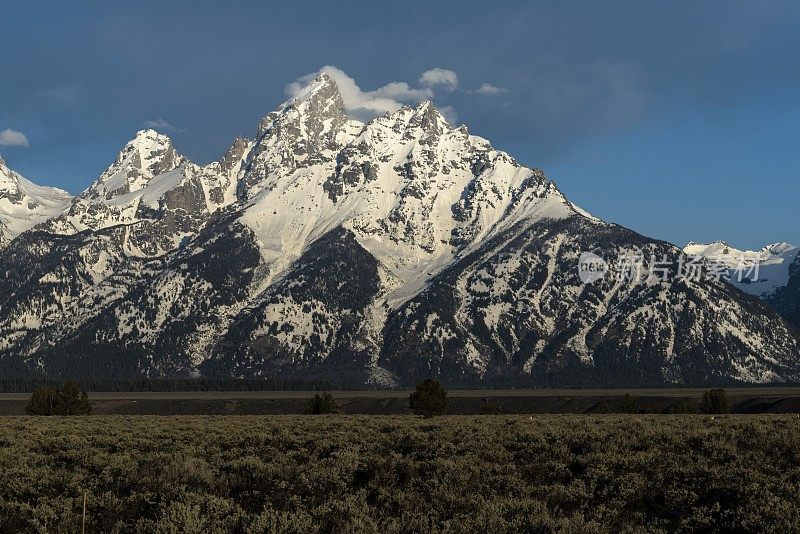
363 253
758 272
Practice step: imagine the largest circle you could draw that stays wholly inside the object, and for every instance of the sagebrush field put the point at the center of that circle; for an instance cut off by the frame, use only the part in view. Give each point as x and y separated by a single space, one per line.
400 474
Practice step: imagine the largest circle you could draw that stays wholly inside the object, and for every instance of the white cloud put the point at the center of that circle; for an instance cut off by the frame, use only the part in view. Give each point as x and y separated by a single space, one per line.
161 124
446 78
490 89
10 137
364 105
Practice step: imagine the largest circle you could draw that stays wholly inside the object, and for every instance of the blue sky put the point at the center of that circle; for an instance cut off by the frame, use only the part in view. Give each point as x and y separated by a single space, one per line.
678 119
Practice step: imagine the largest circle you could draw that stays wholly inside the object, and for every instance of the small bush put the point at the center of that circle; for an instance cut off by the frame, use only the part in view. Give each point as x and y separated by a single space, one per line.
629 404
322 404
71 400
715 401
429 399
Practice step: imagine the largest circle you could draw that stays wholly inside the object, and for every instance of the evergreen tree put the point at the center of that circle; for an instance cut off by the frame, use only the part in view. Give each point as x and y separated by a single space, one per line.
322 404
715 401
72 400
429 399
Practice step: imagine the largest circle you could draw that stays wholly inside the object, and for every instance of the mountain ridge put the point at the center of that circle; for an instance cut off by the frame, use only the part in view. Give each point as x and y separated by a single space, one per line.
370 253
24 204
760 273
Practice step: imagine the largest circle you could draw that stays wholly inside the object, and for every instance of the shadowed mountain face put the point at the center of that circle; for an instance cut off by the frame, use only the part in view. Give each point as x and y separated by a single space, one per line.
377 253
787 299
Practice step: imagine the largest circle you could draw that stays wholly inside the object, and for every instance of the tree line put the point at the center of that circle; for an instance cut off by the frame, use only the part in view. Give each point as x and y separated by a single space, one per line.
28 385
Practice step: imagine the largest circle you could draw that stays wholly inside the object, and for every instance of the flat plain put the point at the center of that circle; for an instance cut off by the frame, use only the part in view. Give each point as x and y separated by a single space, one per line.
540 473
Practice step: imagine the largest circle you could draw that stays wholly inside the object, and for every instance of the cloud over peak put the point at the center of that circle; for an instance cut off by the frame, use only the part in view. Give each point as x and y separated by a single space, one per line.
364 105
447 79
161 124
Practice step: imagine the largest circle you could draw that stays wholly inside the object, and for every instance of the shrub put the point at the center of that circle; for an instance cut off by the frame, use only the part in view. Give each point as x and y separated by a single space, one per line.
715 401
549 473
71 400
42 402
429 399
322 404
629 404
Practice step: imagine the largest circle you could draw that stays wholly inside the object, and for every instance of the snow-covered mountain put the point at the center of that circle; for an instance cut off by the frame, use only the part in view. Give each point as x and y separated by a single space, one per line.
159 195
759 272
24 204
377 252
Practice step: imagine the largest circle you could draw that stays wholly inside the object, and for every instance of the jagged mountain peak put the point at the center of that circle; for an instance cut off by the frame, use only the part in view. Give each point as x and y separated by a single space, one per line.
427 117
319 101
393 250
149 138
144 157
308 129
236 152
8 177
13 183
24 204
147 151
322 88
159 195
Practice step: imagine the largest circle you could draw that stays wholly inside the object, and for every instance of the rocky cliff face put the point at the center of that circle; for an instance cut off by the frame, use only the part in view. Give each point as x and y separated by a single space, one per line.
374 253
